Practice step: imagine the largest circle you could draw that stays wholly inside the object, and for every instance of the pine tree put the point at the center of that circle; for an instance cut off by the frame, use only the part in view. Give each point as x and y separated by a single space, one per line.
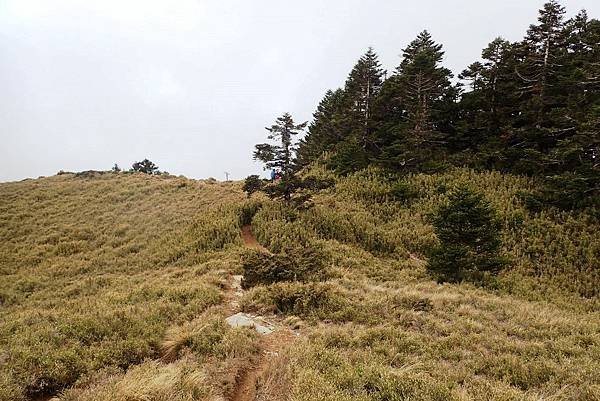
544 51
491 83
541 61
146 167
356 114
423 82
575 159
469 233
324 132
423 97
281 156
488 108
361 90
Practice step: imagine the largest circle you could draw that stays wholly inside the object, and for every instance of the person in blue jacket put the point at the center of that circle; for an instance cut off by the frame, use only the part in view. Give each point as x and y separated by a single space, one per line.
273 174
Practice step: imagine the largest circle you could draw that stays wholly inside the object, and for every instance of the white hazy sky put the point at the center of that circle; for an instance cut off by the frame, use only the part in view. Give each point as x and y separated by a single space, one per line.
191 84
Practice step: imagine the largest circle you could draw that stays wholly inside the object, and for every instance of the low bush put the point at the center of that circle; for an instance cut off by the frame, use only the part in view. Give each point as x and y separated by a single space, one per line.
307 300
207 335
253 183
402 191
247 211
298 264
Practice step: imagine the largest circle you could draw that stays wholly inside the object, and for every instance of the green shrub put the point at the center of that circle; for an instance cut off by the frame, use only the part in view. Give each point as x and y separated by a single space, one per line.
307 300
316 184
247 212
402 191
299 264
469 231
253 184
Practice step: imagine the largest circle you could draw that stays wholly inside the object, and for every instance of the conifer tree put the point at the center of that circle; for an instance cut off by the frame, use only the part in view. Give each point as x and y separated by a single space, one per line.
575 160
488 108
544 50
356 115
540 67
424 95
469 233
423 81
145 166
281 156
324 132
361 90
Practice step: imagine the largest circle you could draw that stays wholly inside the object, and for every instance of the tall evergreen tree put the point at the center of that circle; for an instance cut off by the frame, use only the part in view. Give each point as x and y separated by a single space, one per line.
540 67
281 155
324 132
575 160
424 82
488 108
491 83
362 87
423 98
357 122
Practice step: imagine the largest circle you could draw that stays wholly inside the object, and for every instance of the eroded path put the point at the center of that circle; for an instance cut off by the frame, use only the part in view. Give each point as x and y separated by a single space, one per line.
275 337
250 240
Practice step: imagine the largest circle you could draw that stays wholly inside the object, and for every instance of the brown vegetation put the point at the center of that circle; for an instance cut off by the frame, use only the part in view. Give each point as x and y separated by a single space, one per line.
114 287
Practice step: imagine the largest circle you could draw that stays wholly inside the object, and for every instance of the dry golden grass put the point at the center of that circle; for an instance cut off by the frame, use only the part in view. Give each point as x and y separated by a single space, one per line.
275 383
383 330
95 270
112 289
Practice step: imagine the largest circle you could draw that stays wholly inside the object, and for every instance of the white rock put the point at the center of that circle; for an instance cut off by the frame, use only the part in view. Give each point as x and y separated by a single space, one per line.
245 320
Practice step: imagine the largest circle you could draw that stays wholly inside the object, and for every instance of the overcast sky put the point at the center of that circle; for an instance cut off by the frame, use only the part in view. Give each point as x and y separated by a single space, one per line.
191 84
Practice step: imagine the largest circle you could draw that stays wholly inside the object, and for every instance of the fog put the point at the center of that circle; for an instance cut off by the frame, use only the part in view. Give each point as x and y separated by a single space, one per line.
192 84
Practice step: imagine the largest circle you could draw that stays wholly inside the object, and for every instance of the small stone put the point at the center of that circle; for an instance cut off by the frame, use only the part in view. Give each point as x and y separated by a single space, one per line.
236 283
245 320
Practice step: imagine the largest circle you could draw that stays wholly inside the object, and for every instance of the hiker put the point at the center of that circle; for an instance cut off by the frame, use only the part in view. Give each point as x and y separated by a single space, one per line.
273 174
277 175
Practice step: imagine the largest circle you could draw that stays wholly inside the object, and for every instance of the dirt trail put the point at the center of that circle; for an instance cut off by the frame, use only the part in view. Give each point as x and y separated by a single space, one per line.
250 241
271 344
279 338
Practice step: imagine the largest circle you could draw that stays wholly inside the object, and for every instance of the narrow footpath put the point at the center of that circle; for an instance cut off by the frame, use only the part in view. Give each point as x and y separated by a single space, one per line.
274 336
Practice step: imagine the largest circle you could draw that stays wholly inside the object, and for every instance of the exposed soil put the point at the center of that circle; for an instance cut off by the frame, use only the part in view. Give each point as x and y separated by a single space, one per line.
250 241
271 344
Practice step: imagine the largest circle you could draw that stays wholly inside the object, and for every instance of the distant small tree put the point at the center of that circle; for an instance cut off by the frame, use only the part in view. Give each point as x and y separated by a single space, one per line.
469 232
145 166
280 156
116 168
253 184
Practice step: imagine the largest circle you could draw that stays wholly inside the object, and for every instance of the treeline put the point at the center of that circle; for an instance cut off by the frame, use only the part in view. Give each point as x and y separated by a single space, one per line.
529 107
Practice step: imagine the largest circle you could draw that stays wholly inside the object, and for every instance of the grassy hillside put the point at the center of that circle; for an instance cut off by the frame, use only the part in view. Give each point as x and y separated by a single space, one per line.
96 268
385 331
102 273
